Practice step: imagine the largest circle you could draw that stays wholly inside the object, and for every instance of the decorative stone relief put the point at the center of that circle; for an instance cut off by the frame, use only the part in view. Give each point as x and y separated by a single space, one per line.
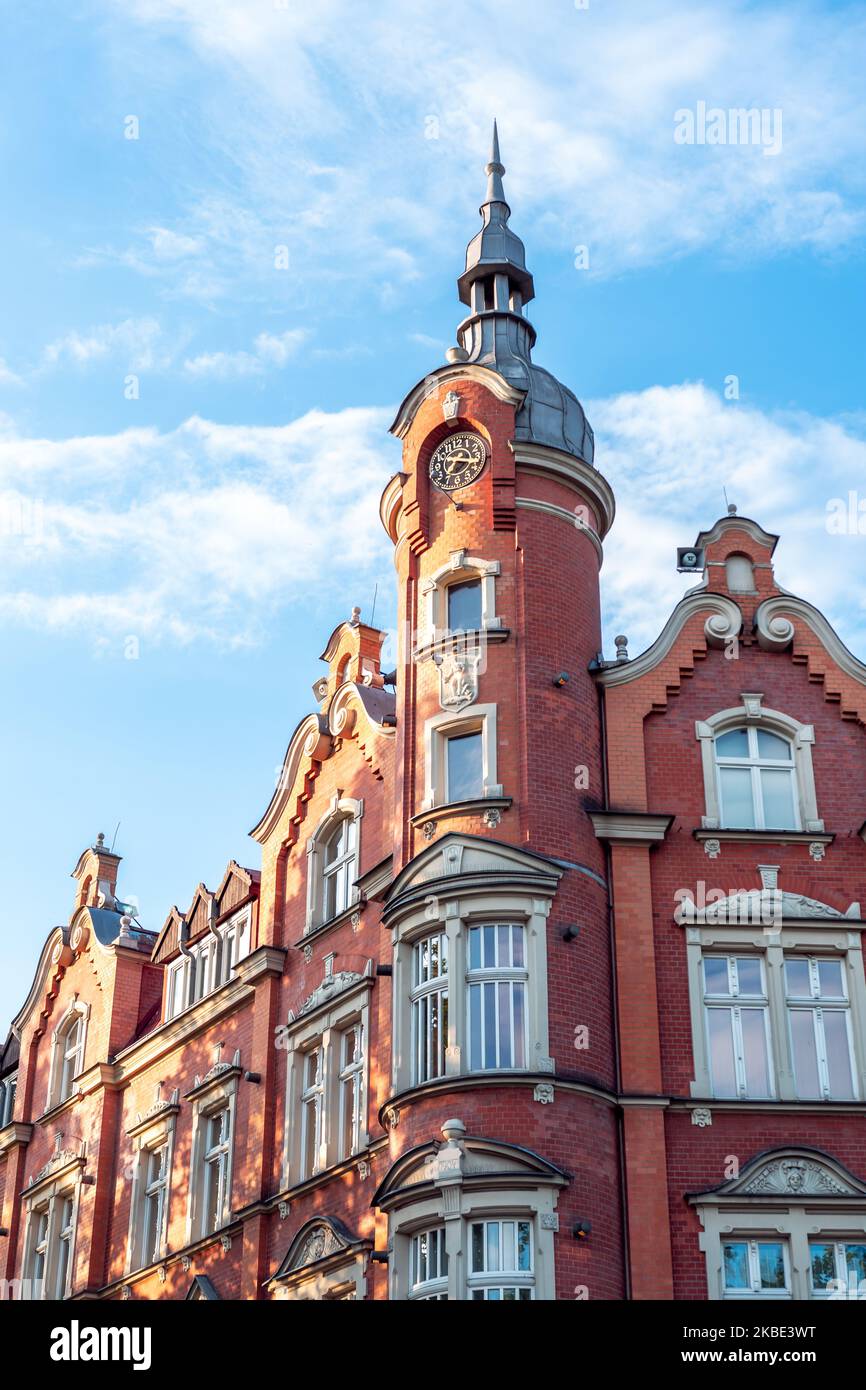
226 1243
186 1264
801 1175
451 405
543 1093
429 829
308 953
817 850
284 1208
712 848
318 1245
458 676
492 816
702 1116
364 1169
392 1117
550 1221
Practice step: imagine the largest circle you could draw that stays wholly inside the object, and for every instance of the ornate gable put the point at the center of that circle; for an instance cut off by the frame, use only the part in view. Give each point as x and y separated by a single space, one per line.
785 1175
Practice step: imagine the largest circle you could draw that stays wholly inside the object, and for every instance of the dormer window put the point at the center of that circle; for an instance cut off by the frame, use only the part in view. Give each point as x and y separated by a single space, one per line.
757 786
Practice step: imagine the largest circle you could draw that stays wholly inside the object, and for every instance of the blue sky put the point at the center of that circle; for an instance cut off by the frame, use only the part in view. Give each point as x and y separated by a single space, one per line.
273 261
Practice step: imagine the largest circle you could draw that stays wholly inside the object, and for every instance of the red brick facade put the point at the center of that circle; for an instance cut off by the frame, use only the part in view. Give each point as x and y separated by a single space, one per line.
194 1146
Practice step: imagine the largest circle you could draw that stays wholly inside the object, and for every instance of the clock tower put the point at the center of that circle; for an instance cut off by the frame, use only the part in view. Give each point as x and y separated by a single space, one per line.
498 518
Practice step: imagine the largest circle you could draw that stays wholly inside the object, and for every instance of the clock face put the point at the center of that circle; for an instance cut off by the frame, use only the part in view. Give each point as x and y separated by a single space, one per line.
457 461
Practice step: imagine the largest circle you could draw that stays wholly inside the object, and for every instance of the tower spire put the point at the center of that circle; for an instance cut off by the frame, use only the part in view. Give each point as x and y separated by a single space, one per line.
495 169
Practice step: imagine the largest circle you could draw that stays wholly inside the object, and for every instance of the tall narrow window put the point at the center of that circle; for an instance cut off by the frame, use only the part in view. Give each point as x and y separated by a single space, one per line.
429 1283
736 1010
497 997
756 1269
430 1007
757 789
155 1189
64 1245
820 1028
500 1261
464 606
464 769
351 1089
70 1060
338 868
39 1261
312 1105
216 1160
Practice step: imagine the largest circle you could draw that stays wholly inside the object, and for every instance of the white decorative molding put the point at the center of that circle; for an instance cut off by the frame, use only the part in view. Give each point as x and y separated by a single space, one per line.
444 376
723 623
712 848
543 1093
796 1175
801 738
775 631
817 850
702 1116
458 674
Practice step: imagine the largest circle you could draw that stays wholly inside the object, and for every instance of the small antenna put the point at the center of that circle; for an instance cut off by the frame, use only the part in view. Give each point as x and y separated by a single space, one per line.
727 503
116 828
373 609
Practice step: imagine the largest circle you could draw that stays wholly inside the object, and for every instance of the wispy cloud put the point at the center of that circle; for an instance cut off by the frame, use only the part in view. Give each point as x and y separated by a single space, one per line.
269 350
137 342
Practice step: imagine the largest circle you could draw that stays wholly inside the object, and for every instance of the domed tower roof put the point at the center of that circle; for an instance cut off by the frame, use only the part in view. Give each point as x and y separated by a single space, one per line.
496 285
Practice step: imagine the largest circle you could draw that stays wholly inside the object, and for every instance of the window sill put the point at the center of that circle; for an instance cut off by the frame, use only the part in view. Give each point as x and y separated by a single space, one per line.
767 837
473 638
345 916
452 809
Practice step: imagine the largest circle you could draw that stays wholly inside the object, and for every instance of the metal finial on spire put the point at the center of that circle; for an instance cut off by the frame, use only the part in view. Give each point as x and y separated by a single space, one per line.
494 170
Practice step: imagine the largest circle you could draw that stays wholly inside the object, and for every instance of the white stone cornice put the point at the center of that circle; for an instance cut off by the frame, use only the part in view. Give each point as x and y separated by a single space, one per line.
723 623
630 827
776 631
310 741
457 371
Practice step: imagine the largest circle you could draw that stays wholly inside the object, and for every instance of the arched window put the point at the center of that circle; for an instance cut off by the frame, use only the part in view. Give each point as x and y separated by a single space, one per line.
740 574
757 780
67 1054
338 867
333 862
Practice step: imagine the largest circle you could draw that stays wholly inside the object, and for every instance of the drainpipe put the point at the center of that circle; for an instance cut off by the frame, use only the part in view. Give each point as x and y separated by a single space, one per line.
614 1005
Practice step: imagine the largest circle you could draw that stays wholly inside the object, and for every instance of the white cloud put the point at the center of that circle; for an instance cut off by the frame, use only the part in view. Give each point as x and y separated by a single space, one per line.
587 119
197 533
269 350
203 532
671 452
7 376
136 342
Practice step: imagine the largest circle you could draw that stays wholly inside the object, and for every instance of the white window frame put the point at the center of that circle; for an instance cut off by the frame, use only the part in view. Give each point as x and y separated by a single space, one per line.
818 1004
312 1110
821 938
730 1003
74 1019
323 1027
478 718
841 1277
233 945
155 1132
340 808
461 568
426 1247
751 714
755 764
756 1292
485 1281
49 1202
350 1080
424 988
515 977
464 1209
211 1097
8 1087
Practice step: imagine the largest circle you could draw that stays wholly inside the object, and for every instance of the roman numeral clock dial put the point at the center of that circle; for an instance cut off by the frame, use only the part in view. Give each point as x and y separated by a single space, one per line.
457 461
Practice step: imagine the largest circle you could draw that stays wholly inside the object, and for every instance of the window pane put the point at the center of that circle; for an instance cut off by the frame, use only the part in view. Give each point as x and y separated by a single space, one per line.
823 1261
475 948
755 1050
464 606
477 1248
518 996
772 1265
517 947
721 1053
771 746
798 978
777 789
749 975
489 947
524 1250
736 787
855 1259
490 1025
493 1261
475 1027
734 744
735 1257
464 768
830 979
838 1055
716 975
805 1054
505 1058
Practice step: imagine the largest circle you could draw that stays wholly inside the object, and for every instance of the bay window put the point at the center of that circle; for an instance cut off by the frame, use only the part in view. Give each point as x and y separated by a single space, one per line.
500 1261
429 1277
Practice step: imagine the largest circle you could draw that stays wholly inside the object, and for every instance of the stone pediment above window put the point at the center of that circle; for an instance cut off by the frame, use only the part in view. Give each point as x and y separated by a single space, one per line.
466 1160
787 1174
457 859
332 987
766 906
318 1240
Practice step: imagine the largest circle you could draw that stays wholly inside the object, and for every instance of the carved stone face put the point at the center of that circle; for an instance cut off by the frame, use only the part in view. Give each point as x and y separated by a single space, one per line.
795 1176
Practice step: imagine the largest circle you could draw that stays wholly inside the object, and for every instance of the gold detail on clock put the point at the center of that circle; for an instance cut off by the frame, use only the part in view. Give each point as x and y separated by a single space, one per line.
457 461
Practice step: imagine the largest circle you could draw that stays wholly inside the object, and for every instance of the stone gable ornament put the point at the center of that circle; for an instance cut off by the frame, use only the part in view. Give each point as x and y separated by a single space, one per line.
451 405
458 677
